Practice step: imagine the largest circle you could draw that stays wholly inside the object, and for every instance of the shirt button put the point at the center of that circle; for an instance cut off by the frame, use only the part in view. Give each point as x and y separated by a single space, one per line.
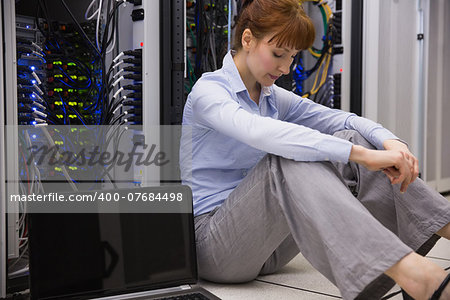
244 173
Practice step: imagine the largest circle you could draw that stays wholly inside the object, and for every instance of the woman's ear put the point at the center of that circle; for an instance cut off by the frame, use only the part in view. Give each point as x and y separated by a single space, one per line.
247 39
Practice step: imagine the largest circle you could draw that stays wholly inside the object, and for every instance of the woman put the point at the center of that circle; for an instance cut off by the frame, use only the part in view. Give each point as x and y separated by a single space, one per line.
274 174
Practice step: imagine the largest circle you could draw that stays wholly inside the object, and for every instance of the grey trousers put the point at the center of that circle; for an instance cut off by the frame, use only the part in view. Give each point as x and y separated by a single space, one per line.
351 224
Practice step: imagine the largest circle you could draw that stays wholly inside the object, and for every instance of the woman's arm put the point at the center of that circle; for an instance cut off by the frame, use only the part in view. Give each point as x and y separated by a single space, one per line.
397 162
393 156
215 109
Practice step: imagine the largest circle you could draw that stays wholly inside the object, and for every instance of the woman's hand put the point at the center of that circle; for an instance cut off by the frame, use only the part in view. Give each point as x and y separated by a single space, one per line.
397 162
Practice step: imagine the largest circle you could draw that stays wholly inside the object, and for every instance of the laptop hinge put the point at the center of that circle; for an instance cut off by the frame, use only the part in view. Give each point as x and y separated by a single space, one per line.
185 287
146 293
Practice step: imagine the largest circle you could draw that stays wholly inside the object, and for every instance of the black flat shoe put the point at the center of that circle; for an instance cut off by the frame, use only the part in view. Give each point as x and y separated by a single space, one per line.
406 296
438 292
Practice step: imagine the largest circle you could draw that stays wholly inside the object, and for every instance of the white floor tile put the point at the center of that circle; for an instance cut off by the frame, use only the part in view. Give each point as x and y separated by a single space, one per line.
440 262
299 273
441 249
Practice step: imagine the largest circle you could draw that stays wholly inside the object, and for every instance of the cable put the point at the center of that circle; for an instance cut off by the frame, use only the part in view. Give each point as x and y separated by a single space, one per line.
79 116
118 117
113 35
115 59
87 11
125 102
118 73
323 55
323 64
105 42
112 46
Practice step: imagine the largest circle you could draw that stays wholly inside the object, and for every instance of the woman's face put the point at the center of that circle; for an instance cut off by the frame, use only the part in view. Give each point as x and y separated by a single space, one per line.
267 62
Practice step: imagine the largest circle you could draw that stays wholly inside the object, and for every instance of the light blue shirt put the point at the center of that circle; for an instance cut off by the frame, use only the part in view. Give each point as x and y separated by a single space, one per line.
227 133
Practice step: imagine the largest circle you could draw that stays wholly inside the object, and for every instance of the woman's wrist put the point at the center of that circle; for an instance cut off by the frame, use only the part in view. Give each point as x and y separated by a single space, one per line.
394 144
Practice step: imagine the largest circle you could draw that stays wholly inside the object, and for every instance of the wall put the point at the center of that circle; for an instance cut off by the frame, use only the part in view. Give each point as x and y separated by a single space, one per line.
405 92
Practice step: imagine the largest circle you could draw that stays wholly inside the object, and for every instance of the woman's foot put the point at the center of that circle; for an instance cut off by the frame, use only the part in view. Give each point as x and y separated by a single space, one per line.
443 291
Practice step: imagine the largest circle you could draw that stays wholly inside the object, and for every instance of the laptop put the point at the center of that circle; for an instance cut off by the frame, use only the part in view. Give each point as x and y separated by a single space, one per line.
113 256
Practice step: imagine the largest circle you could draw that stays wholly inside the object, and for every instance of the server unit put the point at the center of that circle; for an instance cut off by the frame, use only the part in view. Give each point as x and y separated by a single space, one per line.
78 65
404 75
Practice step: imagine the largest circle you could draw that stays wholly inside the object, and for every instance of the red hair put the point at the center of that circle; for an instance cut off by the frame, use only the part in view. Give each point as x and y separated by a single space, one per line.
285 18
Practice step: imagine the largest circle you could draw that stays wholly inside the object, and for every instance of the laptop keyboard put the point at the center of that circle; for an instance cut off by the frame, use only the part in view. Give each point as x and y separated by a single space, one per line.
192 296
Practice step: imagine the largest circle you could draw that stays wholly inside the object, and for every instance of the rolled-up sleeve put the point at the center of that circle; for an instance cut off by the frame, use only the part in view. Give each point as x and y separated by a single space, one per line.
327 120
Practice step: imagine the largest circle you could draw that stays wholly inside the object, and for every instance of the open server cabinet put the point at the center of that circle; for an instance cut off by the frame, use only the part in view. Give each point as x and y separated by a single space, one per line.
155 27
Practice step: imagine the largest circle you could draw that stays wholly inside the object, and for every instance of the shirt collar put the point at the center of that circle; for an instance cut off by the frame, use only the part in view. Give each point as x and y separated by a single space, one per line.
235 78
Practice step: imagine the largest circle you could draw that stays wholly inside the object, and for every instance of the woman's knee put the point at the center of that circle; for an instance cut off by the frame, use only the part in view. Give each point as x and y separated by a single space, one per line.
220 266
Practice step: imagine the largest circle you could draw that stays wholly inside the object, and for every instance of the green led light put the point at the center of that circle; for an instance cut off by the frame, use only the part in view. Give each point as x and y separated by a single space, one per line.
58 103
58 169
73 116
59 116
71 64
58 89
58 76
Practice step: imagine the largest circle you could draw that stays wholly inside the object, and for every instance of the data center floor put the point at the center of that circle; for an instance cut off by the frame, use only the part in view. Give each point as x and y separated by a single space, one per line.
299 280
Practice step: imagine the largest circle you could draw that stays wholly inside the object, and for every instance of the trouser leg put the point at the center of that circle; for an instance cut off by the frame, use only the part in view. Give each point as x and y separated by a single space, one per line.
332 229
234 242
283 254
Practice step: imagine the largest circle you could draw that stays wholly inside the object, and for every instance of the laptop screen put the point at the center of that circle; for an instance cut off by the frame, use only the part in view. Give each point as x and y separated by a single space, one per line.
86 255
